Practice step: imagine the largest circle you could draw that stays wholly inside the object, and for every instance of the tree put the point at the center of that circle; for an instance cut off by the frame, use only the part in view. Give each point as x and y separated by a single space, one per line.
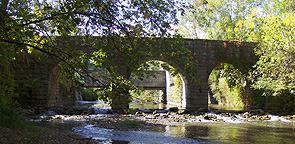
32 26
273 28
275 69
217 17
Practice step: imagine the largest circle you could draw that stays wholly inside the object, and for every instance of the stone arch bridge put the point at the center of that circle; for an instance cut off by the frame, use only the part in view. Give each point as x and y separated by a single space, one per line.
209 53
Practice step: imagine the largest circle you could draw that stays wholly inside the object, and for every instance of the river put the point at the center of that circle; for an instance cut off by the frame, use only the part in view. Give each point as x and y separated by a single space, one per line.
276 130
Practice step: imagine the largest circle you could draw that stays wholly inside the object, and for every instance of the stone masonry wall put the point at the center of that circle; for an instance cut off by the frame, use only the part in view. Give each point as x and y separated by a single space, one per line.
209 53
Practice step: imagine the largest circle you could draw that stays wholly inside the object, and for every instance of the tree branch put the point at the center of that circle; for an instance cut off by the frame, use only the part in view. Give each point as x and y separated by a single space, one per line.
54 55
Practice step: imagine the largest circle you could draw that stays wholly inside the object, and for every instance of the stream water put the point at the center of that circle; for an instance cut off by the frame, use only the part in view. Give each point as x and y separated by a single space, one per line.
276 130
212 132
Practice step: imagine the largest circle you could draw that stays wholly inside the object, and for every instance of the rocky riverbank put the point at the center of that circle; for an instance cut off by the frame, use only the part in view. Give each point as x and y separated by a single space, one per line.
101 117
61 121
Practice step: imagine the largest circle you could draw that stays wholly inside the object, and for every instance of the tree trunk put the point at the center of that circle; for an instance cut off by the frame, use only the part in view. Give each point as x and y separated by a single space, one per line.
120 102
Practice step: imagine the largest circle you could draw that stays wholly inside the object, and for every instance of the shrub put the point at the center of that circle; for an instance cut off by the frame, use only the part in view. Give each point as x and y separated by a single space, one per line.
89 94
9 117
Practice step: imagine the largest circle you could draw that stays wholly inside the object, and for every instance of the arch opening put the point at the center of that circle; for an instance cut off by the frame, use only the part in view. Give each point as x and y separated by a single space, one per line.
227 87
172 94
92 84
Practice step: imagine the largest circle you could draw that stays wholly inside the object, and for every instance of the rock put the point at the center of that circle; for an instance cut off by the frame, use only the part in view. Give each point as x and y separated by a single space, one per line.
147 111
41 110
46 118
138 113
172 113
258 112
210 117
156 115
176 120
290 117
150 117
28 112
218 120
187 116
110 111
246 115
203 109
184 112
144 114
226 114
233 117
59 109
266 117
58 117
165 115
49 113
173 109
155 112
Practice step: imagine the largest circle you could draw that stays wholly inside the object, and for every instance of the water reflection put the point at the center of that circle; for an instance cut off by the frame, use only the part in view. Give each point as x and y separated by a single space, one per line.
131 136
186 131
254 132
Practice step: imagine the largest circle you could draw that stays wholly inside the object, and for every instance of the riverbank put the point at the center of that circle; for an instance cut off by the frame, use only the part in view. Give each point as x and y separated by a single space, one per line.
98 123
42 133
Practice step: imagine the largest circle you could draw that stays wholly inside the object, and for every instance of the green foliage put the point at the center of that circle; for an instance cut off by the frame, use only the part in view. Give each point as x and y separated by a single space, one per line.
128 33
9 117
275 69
177 93
145 96
89 94
116 92
7 84
269 22
217 17
226 92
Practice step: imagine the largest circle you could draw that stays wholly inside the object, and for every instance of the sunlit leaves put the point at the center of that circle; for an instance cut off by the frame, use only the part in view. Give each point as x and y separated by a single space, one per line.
275 68
216 17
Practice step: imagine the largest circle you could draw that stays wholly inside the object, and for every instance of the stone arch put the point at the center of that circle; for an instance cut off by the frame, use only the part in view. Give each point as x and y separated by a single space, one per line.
53 88
59 93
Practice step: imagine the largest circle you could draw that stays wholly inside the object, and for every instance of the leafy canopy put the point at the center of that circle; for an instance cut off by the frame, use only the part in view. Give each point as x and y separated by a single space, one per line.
126 28
275 69
271 23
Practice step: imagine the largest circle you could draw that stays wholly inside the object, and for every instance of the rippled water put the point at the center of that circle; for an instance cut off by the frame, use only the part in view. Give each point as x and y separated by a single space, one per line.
213 132
276 130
